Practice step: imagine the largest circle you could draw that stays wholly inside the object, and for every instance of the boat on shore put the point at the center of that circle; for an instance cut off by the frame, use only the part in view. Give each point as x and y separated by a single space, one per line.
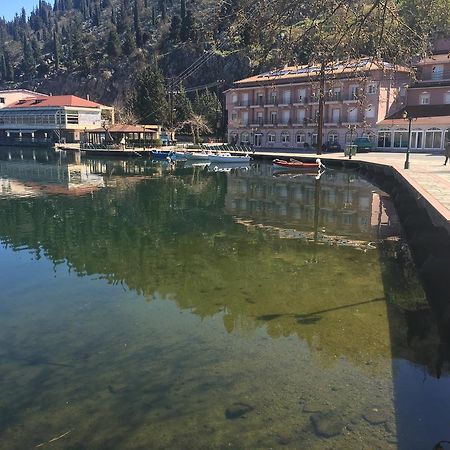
296 164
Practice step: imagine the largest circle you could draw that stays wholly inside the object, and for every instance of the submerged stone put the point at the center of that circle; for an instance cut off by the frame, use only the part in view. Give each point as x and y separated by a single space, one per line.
237 410
327 424
375 416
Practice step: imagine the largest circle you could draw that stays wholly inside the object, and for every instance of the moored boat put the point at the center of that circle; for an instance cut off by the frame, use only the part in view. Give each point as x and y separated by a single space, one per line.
228 158
295 164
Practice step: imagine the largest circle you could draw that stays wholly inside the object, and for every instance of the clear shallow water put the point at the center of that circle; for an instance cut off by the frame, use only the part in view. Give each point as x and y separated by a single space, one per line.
146 309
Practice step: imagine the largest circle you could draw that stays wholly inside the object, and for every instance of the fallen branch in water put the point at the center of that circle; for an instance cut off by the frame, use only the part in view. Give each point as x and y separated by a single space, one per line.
57 438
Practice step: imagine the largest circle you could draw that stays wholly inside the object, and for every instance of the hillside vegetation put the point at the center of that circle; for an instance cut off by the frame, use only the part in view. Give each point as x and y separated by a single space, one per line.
98 47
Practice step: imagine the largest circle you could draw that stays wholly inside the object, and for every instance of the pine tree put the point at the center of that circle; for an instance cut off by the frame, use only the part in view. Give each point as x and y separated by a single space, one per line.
149 101
183 106
113 45
3 70
56 50
153 16
186 31
129 45
175 26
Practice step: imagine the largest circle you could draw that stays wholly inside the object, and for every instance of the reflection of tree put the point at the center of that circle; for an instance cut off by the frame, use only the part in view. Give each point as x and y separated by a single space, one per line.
165 235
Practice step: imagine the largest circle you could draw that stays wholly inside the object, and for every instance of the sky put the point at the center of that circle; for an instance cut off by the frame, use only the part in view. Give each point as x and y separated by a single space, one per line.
10 7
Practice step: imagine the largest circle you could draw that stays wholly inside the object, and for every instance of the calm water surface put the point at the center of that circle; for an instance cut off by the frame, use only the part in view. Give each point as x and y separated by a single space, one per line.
208 309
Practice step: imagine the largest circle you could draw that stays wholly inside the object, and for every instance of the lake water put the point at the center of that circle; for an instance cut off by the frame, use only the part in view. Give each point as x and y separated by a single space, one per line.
209 309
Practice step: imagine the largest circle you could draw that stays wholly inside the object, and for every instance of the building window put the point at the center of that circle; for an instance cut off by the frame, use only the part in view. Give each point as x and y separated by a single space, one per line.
384 139
353 115
433 138
245 138
285 137
372 89
370 112
354 92
271 137
273 118
245 118
333 137
424 99
287 97
437 72
416 139
2 100
257 139
301 95
447 98
301 116
314 139
335 115
300 138
400 138
286 117
234 116
234 99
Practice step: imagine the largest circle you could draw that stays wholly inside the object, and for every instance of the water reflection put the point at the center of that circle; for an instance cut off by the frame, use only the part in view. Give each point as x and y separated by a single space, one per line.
293 298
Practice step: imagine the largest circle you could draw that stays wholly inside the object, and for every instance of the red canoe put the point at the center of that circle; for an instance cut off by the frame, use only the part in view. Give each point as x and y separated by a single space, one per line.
294 164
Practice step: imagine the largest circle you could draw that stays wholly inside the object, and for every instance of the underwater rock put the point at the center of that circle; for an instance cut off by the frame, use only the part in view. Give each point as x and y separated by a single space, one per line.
375 416
327 424
312 407
237 410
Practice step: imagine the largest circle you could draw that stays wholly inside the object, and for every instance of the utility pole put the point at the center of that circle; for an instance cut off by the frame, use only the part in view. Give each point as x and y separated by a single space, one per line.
321 107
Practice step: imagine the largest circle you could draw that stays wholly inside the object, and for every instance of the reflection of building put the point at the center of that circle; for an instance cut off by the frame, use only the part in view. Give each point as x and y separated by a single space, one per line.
337 204
38 118
25 177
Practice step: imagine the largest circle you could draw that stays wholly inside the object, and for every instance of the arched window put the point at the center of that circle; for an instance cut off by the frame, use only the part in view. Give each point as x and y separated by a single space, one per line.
285 137
300 138
333 137
350 136
233 138
271 138
245 138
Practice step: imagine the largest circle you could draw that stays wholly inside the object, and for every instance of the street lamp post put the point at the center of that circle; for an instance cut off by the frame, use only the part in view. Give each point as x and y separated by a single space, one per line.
410 119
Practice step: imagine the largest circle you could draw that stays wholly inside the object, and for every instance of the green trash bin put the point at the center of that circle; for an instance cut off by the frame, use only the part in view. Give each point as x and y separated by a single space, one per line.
350 150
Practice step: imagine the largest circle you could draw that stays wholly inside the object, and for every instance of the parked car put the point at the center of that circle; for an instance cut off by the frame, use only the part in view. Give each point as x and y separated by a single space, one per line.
364 144
331 147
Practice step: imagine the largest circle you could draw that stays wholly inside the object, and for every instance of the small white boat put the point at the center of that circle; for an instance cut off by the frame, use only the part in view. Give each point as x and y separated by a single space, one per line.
197 156
227 158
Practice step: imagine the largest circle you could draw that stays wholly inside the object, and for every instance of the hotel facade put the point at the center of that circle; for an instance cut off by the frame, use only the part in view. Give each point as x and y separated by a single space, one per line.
363 98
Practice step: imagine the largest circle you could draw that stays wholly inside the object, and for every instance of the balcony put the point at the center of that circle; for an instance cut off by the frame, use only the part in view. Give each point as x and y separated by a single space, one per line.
285 123
258 104
241 104
301 101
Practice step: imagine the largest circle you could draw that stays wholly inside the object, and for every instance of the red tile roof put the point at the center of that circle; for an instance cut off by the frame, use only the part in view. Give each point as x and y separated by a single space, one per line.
55 100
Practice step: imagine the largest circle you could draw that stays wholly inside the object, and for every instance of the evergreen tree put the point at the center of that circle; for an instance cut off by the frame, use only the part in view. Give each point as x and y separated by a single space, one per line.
56 50
28 63
163 9
153 16
175 27
208 105
186 31
129 45
3 70
183 106
149 101
113 45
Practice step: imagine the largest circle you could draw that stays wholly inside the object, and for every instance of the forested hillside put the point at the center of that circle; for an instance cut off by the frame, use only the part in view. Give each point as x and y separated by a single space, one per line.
100 46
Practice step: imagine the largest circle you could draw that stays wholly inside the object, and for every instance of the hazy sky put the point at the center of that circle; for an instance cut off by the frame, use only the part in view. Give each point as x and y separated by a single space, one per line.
9 7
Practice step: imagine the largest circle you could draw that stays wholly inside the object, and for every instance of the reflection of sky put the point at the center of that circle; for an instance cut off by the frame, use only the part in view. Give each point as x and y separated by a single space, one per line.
9 9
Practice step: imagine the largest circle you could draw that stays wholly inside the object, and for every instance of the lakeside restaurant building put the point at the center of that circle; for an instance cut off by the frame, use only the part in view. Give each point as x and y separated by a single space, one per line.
279 109
44 118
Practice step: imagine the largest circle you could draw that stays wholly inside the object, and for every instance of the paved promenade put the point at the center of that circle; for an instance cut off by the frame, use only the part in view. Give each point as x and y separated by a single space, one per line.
427 174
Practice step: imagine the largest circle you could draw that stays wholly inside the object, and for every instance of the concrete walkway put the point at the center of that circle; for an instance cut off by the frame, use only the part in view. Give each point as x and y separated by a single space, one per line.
427 175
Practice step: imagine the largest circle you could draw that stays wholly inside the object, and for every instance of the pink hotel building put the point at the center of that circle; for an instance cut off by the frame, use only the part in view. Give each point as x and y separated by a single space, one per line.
279 109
